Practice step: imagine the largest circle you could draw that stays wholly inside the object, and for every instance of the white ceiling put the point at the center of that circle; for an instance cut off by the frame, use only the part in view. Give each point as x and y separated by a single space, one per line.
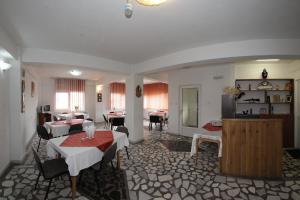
62 71
99 28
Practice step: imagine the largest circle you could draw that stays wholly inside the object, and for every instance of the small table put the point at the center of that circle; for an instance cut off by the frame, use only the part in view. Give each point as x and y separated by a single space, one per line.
206 136
72 115
78 158
63 128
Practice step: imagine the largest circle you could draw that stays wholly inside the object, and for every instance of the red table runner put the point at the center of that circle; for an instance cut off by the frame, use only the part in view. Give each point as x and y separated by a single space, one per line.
102 140
72 122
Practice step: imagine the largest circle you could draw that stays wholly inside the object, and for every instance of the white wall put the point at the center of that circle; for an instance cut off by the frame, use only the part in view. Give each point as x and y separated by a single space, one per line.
211 91
46 92
31 103
102 107
90 98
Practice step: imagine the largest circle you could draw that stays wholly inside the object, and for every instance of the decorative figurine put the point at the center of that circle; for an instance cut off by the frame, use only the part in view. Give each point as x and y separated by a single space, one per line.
264 74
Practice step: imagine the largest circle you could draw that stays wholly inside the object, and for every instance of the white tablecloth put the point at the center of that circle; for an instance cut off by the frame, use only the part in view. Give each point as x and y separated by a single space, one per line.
59 130
79 158
72 115
203 133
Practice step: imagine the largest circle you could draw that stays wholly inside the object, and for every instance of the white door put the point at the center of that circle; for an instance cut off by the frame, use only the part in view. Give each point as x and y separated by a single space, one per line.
189 109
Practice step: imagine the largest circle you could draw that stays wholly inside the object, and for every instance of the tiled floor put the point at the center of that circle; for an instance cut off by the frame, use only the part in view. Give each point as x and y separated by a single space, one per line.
154 172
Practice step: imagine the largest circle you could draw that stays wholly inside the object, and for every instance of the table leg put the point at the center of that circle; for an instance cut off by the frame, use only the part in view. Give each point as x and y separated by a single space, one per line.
198 142
73 180
118 160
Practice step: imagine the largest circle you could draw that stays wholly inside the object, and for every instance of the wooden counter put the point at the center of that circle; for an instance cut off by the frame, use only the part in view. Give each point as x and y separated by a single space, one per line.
252 147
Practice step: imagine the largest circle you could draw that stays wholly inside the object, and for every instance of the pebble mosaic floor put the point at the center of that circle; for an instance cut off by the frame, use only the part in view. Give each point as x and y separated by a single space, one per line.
154 172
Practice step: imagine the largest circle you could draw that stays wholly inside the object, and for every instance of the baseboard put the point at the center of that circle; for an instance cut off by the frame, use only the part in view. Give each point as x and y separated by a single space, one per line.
5 170
136 141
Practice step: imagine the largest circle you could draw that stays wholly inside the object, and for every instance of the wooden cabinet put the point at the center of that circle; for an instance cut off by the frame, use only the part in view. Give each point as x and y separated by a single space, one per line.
274 101
252 147
44 117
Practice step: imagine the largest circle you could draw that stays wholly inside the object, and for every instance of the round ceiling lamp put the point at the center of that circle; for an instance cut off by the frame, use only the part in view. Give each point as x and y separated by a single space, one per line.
151 2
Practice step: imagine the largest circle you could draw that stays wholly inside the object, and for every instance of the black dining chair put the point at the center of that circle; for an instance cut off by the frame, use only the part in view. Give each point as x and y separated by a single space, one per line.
90 119
79 116
43 134
106 125
50 169
117 121
108 157
156 120
75 128
123 129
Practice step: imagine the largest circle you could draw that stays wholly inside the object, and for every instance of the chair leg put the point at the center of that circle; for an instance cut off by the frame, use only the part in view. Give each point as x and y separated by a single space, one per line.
38 145
127 152
48 189
80 176
37 180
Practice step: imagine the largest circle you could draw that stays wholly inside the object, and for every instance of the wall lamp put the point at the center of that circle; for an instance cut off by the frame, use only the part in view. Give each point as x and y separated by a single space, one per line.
4 65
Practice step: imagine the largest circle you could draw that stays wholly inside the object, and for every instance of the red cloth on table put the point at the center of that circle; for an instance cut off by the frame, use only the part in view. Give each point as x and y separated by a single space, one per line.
210 127
102 140
72 122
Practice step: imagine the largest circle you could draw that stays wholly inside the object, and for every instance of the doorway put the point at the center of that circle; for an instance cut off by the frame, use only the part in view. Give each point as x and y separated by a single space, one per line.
189 109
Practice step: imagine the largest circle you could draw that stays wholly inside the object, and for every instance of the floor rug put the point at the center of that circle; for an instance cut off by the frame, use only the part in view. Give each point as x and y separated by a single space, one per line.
295 153
177 145
112 183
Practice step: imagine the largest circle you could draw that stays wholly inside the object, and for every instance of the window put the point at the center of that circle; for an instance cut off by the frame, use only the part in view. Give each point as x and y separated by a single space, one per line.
62 101
117 96
70 94
156 96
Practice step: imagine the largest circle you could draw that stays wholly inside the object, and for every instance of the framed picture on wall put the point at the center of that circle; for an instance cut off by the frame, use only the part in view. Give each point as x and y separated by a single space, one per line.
23 96
99 97
32 89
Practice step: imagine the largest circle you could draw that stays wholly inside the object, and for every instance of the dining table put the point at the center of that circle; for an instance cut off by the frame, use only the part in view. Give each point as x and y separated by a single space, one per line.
81 153
72 115
60 128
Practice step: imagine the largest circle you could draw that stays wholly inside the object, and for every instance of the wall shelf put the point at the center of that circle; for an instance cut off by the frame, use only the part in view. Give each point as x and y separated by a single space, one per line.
269 110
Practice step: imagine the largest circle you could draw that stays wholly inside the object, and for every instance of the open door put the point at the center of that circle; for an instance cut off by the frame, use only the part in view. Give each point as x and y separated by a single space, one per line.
189 109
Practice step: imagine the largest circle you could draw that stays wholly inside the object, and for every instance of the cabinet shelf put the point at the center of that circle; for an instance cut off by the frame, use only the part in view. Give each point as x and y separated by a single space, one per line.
279 108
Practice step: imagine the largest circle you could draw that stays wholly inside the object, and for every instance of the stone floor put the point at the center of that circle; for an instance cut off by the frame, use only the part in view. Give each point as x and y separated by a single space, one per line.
154 172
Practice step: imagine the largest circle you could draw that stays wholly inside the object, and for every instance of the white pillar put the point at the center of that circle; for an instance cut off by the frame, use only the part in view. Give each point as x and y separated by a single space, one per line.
134 108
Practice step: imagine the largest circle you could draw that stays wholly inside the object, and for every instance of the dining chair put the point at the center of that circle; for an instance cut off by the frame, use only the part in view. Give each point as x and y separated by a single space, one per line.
50 169
43 134
117 121
106 125
156 120
75 128
79 116
123 129
108 157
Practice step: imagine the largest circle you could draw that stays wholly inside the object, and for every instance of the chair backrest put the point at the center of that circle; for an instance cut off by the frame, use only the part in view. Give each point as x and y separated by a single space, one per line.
79 116
55 118
38 161
90 119
109 154
155 119
105 119
76 128
123 129
117 121
42 132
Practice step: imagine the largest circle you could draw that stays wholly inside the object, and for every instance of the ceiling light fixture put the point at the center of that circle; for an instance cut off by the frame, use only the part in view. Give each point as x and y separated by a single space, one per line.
75 72
268 60
128 11
151 2
4 65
